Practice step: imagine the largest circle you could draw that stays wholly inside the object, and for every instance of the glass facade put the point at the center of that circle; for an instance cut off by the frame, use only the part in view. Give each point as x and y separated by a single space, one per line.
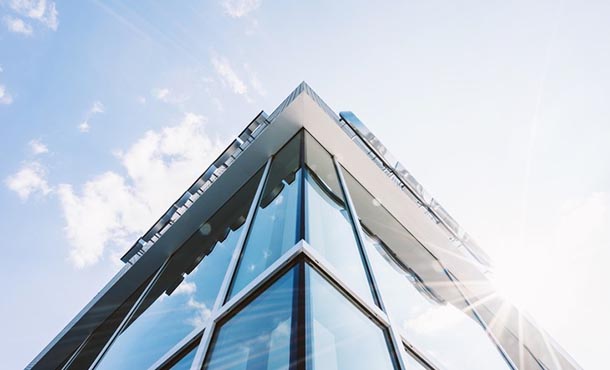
329 229
274 228
347 302
339 335
183 296
258 336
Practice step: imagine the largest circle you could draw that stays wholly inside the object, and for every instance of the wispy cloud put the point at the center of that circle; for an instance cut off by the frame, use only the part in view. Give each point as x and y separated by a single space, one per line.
37 147
168 96
17 25
161 94
254 81
38 10
84 126
240 8
228 76
5 97
96 108
31 178
109 210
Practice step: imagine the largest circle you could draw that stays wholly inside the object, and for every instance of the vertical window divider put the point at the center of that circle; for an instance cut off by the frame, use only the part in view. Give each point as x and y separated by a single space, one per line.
399 352
209 326
301 216
473 308
298 336
129 315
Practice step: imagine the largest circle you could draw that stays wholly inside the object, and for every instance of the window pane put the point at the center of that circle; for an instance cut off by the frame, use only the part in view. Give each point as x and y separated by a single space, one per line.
413 363
329 228
258 336
329 231
340 336
443 332
178 304
185 362
274 228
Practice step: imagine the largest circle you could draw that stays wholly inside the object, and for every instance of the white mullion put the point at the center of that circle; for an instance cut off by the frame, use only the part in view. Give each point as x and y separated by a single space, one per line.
244 294
394 335
226 283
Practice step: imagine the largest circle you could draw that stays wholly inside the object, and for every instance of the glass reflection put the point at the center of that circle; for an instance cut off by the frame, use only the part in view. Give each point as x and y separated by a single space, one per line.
258 336
451 337
186 361
340 336
178 304
412 363
274 229
329 230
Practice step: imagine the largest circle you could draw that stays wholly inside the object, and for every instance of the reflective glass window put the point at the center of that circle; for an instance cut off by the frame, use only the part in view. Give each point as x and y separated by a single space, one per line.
413 363
182 298
329 228
257 337
184 362
451 337
419 296
275 228
98 339
340 336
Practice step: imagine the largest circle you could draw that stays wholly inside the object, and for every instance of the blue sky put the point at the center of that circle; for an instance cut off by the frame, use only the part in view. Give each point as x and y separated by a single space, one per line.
500 109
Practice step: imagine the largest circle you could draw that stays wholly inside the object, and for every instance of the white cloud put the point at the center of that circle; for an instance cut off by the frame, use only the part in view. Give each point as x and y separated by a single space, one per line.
84 126
254 81
38 10
38 147
97 107
228 76
186 287
110 210
5 97
29 179
141 100
17 25
168 96
202 312
240 8
160 94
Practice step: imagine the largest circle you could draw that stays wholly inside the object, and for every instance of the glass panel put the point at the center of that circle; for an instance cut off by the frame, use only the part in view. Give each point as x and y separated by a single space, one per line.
413 363
176 305
329 228
258 336
443 332
340 336
98 339
186 361
418 294
274 228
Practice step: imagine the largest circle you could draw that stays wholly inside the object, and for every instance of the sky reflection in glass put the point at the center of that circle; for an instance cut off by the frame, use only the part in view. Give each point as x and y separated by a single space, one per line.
443 332
340 336
258 336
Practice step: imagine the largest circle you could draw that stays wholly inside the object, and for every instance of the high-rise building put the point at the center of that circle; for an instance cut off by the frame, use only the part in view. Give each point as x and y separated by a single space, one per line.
305 245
